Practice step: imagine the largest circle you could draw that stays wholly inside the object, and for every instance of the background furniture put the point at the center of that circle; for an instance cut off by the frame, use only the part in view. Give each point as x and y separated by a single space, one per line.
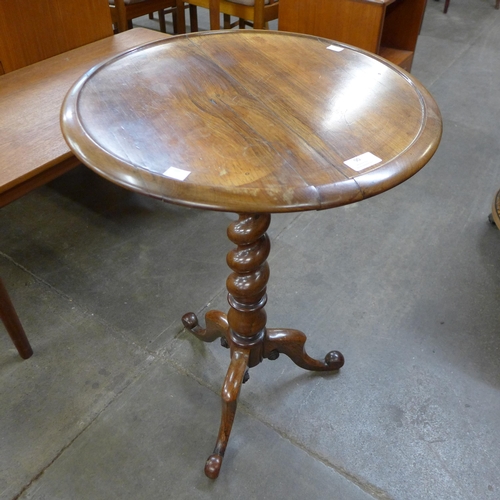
387 27
258 13
32 149
447 4
12 324
200 121
32 31
123 11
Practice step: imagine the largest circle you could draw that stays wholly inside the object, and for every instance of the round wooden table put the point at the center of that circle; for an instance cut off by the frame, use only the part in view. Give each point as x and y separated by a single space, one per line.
252 122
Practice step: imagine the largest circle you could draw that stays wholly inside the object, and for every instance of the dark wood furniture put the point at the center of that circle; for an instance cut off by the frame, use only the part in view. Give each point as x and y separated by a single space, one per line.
257 15
252 122
388 28
447 4
12 324
123 11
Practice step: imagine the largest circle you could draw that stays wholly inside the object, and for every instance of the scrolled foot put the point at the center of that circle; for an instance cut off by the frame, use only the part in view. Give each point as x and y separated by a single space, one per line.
216 322
291 343
213 465
335 360
190 320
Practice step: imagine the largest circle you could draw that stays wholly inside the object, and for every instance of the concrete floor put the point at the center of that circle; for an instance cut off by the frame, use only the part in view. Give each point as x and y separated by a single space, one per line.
119 402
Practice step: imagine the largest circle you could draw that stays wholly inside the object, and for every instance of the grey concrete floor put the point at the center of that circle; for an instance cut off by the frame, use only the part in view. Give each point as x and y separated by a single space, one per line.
119 402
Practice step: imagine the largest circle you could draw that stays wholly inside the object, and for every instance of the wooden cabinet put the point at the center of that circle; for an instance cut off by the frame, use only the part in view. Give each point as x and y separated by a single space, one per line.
33 31
386 27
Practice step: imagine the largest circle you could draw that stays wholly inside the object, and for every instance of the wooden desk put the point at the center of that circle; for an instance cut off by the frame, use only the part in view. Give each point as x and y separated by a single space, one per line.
32 149
251 122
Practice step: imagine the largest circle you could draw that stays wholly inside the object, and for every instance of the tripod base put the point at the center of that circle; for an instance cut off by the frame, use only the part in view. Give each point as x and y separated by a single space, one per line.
269 345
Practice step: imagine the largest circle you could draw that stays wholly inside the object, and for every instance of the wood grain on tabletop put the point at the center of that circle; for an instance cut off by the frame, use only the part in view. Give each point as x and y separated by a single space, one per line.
262 121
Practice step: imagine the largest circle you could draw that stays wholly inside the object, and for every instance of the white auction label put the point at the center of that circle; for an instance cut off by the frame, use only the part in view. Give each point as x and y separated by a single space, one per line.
335 48
176 173
362 161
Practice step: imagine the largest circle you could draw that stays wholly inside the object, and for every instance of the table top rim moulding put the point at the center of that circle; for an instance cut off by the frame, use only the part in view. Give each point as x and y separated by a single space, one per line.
362 185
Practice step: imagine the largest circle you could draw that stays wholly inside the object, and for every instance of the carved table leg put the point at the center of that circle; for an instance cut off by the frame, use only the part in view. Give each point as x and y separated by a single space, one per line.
216 326
291 343
230 391
244 327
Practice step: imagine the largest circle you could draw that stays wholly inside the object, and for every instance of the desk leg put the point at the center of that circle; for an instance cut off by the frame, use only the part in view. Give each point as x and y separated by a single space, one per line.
14 328
244 330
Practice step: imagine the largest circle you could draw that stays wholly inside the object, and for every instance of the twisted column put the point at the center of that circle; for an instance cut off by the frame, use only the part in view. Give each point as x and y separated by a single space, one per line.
247 283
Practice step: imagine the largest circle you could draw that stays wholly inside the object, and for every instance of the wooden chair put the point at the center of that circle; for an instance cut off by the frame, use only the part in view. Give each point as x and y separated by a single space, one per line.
256 13
31 31
123 11
12 324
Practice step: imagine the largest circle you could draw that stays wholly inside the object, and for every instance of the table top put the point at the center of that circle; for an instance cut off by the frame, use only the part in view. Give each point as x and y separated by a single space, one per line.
31 143
252 121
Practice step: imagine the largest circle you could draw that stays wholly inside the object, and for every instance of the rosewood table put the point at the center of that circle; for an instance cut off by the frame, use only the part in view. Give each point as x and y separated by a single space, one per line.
252 122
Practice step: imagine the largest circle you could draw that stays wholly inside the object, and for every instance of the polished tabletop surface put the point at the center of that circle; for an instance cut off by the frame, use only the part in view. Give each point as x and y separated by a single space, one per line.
252 121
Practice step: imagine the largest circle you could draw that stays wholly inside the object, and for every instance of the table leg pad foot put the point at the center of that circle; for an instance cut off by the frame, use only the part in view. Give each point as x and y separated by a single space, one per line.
212 467
334 359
